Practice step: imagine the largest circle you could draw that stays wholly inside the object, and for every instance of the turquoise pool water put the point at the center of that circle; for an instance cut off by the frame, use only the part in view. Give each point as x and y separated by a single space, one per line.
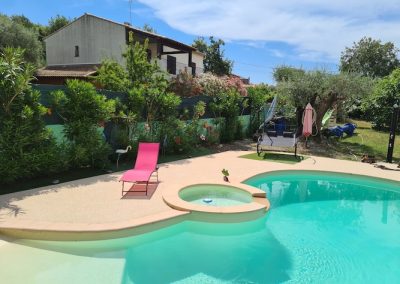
215 195
322 228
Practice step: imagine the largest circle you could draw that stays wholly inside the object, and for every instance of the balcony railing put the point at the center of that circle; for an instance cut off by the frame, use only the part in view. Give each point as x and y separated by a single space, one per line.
180 67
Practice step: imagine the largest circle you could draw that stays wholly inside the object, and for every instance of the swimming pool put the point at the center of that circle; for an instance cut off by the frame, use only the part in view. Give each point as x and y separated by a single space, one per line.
321 228
215 195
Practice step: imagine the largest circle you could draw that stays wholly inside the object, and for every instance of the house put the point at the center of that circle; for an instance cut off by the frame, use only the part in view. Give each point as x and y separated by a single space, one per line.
77 50
245 81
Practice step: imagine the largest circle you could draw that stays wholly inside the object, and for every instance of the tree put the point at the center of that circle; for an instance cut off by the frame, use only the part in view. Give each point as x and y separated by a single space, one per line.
146 87
27 148
140 70
14 34
56 23
148 77
379 105
214 60
24 21
200 44
148 28
322 89
370 57
285 73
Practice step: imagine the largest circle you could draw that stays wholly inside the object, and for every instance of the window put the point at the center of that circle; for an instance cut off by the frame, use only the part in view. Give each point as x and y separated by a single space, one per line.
76 51
171 64
148 51
193 69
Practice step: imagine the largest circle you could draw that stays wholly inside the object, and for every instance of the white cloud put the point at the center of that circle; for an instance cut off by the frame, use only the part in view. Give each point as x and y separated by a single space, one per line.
317 29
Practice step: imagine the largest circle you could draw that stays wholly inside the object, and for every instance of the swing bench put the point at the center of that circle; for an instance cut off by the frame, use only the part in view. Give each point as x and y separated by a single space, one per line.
275 132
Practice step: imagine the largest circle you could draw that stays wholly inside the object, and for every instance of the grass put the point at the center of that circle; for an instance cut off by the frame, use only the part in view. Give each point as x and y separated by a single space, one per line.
75 174
364 141
274 157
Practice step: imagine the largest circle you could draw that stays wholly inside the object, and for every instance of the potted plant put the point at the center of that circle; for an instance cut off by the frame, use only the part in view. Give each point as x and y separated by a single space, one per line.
225 172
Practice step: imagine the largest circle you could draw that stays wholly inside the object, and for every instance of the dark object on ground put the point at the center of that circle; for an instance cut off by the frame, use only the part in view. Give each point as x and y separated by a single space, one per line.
368 159
385 168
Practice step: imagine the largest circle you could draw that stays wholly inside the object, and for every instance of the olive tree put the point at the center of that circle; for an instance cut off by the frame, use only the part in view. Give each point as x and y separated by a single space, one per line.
16 34
322 89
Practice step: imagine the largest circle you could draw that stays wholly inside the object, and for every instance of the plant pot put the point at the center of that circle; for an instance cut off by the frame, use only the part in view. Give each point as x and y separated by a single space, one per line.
226 179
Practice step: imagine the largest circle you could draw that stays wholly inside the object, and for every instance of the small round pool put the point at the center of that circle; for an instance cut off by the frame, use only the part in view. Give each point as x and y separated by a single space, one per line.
215 195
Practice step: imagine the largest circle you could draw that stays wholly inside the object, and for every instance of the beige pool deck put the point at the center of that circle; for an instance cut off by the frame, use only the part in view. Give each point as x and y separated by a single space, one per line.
95 206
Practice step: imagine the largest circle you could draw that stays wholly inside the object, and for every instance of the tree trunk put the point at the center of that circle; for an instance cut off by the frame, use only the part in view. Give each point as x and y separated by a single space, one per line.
299 119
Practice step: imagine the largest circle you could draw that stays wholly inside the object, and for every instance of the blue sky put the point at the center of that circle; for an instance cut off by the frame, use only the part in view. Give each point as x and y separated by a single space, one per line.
259 34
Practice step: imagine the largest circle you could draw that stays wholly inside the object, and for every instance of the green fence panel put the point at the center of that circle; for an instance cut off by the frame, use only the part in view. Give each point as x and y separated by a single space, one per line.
57 130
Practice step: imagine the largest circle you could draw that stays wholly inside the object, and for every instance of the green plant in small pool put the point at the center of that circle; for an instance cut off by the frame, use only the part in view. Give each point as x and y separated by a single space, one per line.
225 172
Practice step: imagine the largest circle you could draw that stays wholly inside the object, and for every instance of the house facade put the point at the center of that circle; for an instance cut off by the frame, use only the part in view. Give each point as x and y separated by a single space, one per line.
87 41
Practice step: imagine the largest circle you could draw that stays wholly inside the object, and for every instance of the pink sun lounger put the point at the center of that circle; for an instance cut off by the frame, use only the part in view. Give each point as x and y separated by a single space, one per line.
145 166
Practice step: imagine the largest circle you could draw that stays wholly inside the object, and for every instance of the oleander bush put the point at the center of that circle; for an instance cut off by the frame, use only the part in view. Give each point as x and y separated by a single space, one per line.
185 85
211 85
234 82
27 148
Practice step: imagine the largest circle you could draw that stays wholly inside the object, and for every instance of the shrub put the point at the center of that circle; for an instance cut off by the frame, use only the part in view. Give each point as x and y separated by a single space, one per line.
211 136
239 130
258 96
27 149
235 83
226 105
112 76
182 136
211 84
82 108
173 130
185 85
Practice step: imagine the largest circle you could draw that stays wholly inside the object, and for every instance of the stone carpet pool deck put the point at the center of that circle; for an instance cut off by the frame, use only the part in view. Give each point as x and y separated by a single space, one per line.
95 204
